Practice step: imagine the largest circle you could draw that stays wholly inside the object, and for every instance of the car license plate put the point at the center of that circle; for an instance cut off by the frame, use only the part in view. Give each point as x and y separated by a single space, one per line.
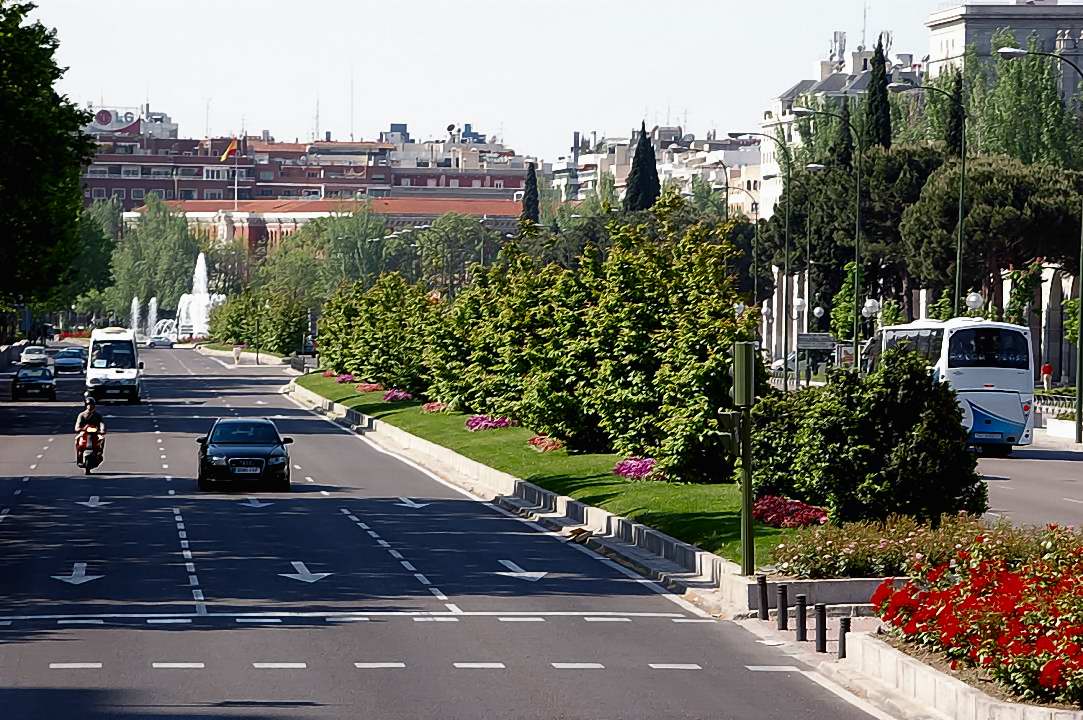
113 392
242 470
987 436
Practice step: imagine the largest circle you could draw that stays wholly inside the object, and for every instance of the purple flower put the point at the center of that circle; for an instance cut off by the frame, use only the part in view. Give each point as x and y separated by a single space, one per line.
344 378
476 423
634 468
394 395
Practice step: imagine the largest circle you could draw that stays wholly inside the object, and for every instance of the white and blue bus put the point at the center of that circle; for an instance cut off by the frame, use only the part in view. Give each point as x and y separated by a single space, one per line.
989 364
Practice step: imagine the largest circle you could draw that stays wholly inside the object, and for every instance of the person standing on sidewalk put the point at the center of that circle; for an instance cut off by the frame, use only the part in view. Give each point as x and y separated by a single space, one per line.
1047 376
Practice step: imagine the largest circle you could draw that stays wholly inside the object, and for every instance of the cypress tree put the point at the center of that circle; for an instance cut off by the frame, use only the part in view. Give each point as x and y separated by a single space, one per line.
842 149
531 210
953 135
877 106
643 187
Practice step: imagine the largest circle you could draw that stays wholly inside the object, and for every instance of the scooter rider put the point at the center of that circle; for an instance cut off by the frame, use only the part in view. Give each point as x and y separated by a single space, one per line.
89 417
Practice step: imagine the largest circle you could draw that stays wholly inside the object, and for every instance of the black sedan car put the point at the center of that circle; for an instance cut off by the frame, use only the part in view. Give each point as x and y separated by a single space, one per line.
34 381
248 451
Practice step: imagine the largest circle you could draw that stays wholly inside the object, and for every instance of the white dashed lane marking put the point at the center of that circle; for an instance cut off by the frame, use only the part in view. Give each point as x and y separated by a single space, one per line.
521 619
674 666
279 665
378 665
578 666
75 666
177 665
480 665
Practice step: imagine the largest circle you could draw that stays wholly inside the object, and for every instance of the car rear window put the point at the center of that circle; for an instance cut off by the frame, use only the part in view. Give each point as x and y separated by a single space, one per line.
35 374
244 433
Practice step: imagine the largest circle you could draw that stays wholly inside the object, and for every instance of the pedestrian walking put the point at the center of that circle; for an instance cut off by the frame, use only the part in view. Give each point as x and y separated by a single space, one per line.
1047 376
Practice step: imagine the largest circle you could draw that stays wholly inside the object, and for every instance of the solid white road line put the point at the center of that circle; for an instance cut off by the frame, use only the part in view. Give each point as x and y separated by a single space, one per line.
692 620
578 666
177 665
674 666
378 665
521 619
279 665
773 668
479 665
76 666
861 704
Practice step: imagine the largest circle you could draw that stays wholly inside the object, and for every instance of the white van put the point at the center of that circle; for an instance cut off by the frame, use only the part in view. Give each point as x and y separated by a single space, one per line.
113 370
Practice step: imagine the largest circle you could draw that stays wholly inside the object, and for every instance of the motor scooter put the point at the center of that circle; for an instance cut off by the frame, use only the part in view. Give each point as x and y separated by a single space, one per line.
90 448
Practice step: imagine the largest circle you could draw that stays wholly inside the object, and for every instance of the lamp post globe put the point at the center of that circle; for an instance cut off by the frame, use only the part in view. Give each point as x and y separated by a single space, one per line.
739 309
818 312
974 301
799 305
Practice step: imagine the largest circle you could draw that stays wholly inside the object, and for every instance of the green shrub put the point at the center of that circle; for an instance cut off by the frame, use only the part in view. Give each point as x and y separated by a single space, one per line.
281 323
867 448
891 548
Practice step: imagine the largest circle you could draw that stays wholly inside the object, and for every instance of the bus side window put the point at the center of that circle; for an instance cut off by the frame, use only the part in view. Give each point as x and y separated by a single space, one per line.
921 343
936 346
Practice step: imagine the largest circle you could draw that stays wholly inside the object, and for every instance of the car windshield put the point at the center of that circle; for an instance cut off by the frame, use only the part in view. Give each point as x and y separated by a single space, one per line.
113 354
244 433
988 347
70 354
35 351
35 374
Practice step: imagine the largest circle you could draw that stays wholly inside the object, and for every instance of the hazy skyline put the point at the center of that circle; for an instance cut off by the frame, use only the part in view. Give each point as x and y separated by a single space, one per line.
530 72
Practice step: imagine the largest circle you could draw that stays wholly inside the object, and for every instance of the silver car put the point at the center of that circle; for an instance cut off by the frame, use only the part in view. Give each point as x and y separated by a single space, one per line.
34 355
160 341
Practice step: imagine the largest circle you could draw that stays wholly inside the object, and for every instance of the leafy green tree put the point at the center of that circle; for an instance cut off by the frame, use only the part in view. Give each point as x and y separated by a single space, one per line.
877 105
642 188
1071 320
450 247
956 125
297 269
842 306
942 309
842 148
99 226
531 210
45 148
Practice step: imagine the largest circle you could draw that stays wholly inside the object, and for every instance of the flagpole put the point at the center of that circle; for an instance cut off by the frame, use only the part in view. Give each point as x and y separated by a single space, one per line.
236 157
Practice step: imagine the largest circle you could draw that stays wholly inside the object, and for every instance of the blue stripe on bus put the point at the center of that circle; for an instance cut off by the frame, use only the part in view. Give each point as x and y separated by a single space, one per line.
987 422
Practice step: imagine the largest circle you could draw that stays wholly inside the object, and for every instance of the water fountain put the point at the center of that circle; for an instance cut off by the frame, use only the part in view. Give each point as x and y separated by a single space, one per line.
133 319
194 308
152 316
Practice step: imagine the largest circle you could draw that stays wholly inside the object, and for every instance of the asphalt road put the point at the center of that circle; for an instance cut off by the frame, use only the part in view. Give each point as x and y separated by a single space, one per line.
130 594
1036 486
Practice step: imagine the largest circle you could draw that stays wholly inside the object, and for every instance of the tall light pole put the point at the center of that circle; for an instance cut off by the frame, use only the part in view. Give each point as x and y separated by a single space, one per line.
786 252
1009 53
802 112
957 298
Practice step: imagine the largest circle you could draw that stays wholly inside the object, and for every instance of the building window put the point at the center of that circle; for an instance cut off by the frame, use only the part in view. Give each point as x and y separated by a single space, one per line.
187 194
404 182
138 193
266 175
97 171
213 194
210 173
265 192
119 193
128 171
454 182
97 193
498 183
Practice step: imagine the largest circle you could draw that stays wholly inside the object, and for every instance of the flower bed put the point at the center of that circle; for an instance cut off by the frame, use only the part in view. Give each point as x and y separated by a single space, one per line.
394 395
1018 620
367 387
634 468
892 548
542 444
782 512
434 407
328 373
477 423
344 378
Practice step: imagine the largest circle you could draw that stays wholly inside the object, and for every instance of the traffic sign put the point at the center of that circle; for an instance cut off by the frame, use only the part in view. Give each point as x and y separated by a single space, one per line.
815 341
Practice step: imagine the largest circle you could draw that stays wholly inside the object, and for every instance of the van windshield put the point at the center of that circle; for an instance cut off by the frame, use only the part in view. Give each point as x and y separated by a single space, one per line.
113 354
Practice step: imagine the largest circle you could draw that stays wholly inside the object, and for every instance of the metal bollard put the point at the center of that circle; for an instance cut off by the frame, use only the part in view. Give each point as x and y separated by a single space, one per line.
800 620
844 627
821 627
761 582
783 606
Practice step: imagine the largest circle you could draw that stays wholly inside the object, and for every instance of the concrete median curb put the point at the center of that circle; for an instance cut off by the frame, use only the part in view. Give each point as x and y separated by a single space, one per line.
710 581
250 356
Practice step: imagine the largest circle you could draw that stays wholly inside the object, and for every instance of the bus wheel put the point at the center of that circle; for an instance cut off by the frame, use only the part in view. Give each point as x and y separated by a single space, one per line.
997 451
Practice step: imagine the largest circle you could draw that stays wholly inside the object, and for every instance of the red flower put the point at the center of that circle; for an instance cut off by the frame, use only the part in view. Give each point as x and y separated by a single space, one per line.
883 592
1052 674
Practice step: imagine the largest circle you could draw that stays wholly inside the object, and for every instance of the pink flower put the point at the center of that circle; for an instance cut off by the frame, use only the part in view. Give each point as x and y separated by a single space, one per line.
477 423
433 407
394 395
634 468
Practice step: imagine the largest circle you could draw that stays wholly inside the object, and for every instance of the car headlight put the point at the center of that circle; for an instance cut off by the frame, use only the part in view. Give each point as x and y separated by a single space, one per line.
218 460
277 460
94 381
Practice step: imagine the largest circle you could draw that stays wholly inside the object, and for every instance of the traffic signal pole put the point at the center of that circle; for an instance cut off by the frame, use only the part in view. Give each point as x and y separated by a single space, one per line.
744 396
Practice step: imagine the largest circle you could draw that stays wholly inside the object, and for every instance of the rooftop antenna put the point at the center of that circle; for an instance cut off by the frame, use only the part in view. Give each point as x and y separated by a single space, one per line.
207 119
351 103
864 23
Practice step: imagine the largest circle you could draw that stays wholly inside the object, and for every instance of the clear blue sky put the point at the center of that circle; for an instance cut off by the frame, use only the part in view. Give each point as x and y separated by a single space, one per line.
531 70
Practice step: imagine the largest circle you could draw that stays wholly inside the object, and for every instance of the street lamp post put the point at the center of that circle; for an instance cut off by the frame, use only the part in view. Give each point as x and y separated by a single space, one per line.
807 112
906 87
1009 53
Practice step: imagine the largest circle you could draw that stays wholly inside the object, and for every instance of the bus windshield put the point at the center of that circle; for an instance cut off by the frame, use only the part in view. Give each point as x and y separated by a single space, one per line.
113 354
988 347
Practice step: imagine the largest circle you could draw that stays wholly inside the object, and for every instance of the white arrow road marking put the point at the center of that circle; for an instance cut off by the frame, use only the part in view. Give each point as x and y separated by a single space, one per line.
407 502
303 574
255 503
93 502
517 572
78 575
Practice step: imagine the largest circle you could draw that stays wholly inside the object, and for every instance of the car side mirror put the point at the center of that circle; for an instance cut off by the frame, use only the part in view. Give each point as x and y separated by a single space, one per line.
287 441
140 364
201 440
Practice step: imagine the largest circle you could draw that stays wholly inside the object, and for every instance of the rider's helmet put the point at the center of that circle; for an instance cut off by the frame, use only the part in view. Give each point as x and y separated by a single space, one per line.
89 400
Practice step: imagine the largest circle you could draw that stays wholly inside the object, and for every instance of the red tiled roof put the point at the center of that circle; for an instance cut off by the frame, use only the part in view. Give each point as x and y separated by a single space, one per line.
382 206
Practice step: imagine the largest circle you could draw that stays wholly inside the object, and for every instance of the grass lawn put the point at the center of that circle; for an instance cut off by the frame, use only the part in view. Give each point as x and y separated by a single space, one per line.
229 348
704 515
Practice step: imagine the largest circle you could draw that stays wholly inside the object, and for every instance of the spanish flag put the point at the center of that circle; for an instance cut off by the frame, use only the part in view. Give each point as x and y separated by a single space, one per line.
231 150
